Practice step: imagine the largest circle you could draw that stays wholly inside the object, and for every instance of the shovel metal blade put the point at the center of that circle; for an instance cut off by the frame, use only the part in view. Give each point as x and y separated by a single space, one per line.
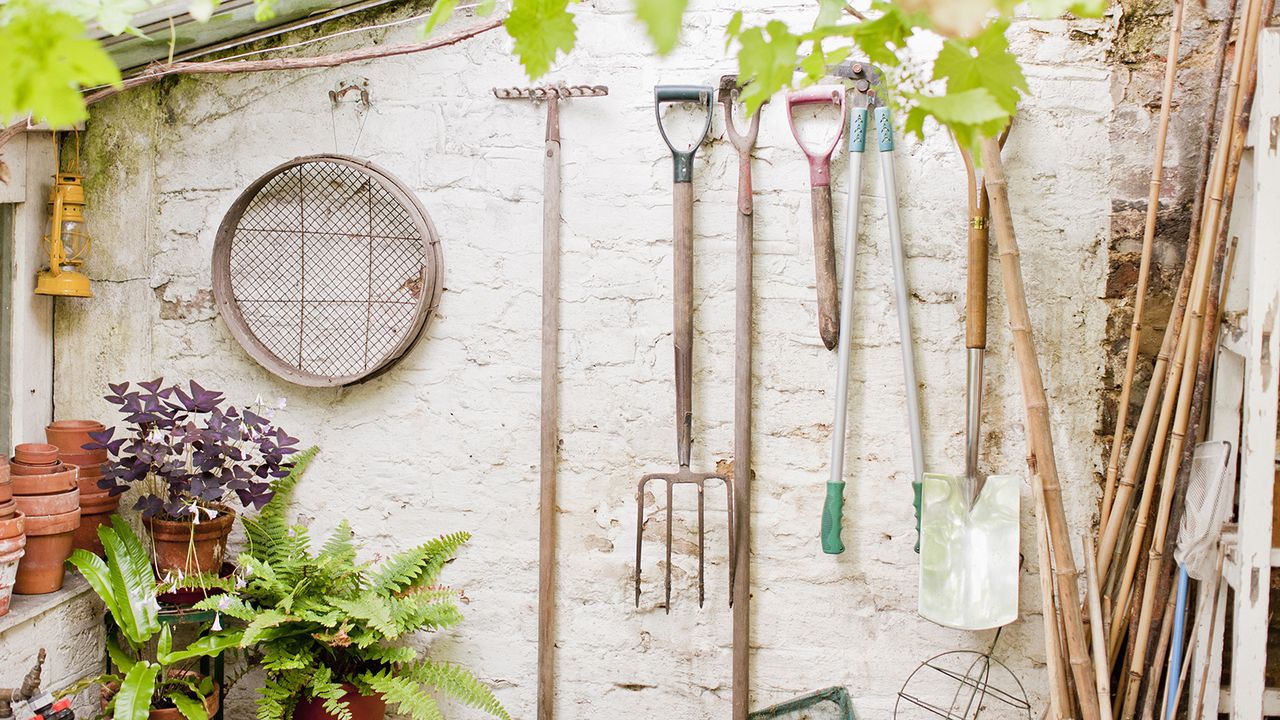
969 556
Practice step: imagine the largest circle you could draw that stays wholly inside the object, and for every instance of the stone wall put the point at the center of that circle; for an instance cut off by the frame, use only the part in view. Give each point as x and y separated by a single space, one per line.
448 440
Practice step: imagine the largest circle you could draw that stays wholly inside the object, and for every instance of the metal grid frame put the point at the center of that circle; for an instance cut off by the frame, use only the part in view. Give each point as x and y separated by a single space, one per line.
327 270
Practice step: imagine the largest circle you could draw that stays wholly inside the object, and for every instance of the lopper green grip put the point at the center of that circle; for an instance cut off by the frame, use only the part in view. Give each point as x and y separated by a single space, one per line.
917 489
832 510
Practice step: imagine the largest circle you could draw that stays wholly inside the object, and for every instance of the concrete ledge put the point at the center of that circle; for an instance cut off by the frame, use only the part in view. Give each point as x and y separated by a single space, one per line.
68 625
27 607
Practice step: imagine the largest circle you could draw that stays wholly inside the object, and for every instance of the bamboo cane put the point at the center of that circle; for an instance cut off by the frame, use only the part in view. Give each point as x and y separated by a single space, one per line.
1041 463
1213 623
1148 704
1207 341
1101 669
1052 640
1148 244
1193 324
1112 525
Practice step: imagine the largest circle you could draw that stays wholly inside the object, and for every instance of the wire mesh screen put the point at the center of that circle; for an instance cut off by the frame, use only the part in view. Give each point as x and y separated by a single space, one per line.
326 270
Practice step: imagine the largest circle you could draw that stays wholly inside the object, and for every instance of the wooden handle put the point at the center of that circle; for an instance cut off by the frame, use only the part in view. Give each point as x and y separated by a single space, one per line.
824 260
976 304
682 335
550 415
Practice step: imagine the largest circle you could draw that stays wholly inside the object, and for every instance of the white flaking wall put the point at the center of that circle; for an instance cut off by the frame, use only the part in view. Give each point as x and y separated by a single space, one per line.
448 440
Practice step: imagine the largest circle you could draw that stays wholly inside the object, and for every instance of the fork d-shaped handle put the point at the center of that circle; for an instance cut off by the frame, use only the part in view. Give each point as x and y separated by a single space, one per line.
819 162
700 94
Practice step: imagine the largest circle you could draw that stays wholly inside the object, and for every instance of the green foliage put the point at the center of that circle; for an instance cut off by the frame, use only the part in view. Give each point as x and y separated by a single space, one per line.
542 29
126 583
320 619
662 20
45 59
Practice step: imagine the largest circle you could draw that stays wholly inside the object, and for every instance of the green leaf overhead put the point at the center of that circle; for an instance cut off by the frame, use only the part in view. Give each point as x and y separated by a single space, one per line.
662 20
983 62
542 29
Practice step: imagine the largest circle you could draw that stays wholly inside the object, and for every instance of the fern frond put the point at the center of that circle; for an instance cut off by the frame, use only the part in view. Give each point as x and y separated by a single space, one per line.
456 682
265 533
372 609
339 548
391 655
229 605
404 693
417 566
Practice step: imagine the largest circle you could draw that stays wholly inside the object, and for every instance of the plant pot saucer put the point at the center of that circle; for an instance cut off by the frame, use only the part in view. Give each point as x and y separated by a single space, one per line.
186 597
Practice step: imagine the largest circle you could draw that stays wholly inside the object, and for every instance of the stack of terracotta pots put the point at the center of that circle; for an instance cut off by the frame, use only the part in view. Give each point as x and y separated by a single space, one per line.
13 537
47 492
96 504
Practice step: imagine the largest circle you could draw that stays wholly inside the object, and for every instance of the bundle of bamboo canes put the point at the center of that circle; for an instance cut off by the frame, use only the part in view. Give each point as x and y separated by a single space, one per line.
1128 601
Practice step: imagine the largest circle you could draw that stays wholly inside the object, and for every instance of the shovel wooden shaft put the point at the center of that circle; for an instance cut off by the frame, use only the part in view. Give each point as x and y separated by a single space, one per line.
824 260
975 325
742 472
682 335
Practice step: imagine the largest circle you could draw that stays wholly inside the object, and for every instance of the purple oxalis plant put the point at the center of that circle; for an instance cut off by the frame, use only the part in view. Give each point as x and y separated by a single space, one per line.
189 451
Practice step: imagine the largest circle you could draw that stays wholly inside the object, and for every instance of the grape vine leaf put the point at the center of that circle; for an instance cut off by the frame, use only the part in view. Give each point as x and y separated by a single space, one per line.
441 12
767 59
45 59
541 29
983 61
1058 8
662 20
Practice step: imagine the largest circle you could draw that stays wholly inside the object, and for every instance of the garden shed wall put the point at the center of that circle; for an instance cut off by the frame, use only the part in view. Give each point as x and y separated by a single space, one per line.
448 439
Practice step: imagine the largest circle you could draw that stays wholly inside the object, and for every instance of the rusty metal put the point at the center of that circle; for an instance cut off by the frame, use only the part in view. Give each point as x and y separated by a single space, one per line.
326 270
547 92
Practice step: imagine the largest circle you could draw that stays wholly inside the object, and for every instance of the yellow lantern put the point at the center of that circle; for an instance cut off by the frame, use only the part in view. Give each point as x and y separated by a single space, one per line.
68 240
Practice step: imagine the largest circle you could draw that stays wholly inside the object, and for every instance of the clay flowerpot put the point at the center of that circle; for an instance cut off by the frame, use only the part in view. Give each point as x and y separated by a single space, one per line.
6 490
48 546
13 524
88 484
93 460
8 570
8 546
70 436
21 469
67 478
41 505
191 547
35 453
363 707
95 511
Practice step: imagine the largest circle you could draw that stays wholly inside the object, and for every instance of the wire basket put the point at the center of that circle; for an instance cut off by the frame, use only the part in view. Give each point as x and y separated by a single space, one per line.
326 270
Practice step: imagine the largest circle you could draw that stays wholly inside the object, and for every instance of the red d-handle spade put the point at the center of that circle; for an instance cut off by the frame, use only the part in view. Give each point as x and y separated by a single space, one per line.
824 247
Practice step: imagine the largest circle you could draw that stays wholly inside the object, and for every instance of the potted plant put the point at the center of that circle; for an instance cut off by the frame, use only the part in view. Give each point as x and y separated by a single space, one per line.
333 631
163 685
193 457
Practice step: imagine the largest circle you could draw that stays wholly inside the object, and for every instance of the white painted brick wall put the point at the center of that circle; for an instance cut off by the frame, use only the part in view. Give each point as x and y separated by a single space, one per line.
448 440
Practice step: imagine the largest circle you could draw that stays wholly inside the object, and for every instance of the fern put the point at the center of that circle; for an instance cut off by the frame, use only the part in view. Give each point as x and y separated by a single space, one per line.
418 566
404 693
322 618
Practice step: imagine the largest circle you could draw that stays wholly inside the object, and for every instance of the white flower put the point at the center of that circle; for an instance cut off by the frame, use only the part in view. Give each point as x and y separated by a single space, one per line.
217 622
282 402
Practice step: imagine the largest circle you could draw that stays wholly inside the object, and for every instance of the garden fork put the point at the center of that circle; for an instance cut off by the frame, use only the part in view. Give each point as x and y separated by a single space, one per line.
683 341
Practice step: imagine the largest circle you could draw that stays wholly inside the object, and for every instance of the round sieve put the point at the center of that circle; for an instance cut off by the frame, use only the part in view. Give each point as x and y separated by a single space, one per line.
326 270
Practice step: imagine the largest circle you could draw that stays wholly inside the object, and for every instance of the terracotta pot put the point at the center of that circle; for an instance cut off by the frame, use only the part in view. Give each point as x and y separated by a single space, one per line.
35 453
190 548
95 511
4 469
6 490
13 524
8 546
21 469
93 460
48 546
70 436
363 707
8 570
40 505
54 482
88 484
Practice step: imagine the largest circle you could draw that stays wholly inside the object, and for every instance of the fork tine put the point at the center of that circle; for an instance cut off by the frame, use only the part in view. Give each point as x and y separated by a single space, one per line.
733 545
702 592
668 579
639 531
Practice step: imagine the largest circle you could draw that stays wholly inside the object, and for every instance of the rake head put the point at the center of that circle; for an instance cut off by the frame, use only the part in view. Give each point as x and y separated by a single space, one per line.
546 92
683 476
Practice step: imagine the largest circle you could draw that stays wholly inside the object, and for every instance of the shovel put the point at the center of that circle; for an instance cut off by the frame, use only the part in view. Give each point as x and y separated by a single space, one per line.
969 528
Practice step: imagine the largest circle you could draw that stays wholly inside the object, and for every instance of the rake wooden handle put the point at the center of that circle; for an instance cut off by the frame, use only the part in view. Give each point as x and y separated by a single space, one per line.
976 305
824 261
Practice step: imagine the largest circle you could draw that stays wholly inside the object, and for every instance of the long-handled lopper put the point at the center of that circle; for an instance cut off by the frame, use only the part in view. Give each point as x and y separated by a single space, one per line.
857 137
551 94
743 475
682 339
824 249
970 525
